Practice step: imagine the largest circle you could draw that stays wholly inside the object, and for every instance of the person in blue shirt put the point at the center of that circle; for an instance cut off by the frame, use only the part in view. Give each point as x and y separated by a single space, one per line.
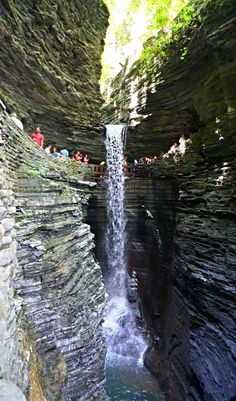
64 153
55 153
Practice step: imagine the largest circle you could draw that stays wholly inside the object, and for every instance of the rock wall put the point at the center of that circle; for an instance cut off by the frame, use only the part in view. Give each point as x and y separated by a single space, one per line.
191 304
50 68
181 243
12 366
189 94
56 291
194 356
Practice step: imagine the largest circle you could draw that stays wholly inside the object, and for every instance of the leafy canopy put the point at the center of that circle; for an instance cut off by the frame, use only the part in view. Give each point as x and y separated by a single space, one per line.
143 30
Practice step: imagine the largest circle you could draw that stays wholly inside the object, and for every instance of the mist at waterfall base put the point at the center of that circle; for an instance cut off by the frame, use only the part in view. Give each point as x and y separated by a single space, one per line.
127 378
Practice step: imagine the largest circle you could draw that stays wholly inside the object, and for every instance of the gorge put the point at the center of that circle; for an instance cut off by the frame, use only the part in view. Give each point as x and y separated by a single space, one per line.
175 230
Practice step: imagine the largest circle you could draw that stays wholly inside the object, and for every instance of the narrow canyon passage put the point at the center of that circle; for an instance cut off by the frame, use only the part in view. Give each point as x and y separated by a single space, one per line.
117 200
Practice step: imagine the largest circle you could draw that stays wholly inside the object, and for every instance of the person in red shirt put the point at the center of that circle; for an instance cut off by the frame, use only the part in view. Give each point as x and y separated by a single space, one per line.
38 137
77 156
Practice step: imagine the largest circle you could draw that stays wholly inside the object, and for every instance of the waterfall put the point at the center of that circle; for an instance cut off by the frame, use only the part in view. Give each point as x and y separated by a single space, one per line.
123 338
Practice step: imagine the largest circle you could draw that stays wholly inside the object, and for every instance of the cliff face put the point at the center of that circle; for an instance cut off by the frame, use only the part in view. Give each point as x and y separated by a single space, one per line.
181 243
51 282
188 290
194 94
193 350
12 367
50 68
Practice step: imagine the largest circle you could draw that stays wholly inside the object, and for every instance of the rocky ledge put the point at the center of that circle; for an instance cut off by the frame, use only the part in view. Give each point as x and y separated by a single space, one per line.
53 297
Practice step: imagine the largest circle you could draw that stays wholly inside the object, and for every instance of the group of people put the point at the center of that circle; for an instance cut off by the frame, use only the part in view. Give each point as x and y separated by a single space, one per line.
178 149
52 151
174 151
144 160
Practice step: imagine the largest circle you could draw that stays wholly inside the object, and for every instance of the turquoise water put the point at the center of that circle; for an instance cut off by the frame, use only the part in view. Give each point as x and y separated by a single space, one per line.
128 383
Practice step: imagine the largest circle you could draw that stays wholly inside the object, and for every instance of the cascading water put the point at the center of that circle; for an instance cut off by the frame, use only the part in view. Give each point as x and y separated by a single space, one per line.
127 378
123 338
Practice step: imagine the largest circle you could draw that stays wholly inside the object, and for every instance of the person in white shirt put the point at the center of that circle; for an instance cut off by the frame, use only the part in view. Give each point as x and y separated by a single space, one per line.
2 106
182 144
48 150
16 120
173 149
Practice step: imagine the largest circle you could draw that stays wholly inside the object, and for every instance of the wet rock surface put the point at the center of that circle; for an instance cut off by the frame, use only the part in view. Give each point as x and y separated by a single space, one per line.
58 295
12 366
50 68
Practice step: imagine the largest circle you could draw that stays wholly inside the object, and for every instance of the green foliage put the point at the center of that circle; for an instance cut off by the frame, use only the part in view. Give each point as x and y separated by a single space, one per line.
33 173
191 16
37 171
168 22
87 172
73 168
131 25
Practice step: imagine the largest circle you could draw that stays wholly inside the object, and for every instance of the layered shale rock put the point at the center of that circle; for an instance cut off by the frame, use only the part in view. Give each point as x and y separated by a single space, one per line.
181 244
194 338
194 94
50 68
13 368
59 296
190 304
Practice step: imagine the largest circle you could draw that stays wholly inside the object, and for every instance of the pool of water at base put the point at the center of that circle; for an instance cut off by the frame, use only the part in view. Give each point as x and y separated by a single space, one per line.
131 383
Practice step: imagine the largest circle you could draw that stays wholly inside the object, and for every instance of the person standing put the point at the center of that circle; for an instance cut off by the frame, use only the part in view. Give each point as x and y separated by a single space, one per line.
173 149
55 152
38 137
16 120
182 144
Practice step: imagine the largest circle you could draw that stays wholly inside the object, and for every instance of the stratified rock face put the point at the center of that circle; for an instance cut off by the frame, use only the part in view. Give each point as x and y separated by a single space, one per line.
194 356
50 68
191 304
195 94
58 289
181 243
12 366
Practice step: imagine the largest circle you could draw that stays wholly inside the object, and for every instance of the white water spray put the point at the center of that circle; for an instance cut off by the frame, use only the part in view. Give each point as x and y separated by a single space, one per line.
123 338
